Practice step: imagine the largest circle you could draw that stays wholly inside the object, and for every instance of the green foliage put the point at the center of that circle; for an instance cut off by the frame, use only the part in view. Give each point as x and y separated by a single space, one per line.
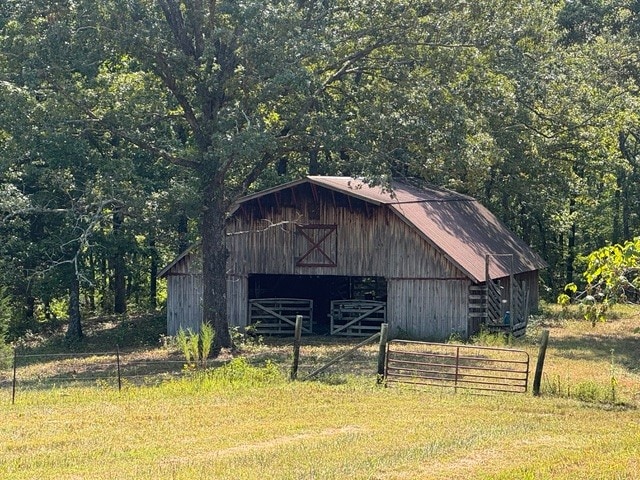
530 106
586 390
196 346
182 341
614 271
612 274
207 337
246 336
6 355
239 372
454 337
6 312
490 339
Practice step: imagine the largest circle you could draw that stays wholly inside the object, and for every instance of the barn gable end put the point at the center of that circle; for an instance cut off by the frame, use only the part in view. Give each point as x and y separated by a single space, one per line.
323 236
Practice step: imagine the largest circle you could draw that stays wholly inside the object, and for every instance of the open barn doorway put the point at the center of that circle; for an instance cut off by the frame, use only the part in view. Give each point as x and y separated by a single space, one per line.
321 289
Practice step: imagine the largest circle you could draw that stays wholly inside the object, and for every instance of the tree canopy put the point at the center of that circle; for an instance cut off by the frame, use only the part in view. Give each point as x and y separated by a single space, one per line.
130 127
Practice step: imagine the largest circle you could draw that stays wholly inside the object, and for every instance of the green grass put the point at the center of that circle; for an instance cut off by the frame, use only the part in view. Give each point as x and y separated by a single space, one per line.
246 421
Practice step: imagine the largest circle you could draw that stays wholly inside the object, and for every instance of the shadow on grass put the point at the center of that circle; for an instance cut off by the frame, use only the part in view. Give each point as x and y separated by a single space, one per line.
624 351
45 362
103 334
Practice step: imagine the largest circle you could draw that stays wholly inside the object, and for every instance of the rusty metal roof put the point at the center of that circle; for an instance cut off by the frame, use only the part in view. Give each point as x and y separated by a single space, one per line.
457 225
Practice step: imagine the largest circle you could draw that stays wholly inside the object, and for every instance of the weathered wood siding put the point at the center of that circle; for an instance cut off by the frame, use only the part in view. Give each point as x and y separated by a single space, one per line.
184 302
237 300
184 297
428 309
531 281
426 294
372 242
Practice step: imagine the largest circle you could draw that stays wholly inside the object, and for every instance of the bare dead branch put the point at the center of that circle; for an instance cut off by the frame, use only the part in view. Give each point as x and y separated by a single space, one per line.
270 225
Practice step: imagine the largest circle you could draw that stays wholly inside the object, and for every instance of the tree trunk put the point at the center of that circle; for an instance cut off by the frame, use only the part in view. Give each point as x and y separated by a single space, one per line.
314 166
74 330
106 302
91 294
214 263
119 280
153 275
571 246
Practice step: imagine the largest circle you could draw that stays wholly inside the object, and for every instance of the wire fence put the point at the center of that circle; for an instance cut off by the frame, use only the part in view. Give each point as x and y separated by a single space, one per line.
32 371
36 371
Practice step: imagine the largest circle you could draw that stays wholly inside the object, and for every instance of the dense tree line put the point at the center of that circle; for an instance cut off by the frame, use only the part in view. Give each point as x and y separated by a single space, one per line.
129 127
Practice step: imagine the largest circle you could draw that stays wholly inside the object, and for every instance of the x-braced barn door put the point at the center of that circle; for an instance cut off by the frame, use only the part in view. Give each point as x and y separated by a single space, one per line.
316 245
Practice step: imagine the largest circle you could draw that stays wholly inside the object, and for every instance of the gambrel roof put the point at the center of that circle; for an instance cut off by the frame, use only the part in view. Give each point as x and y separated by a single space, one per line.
455 224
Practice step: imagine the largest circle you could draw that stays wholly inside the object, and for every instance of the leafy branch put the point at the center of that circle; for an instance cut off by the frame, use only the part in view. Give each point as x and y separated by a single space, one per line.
612 276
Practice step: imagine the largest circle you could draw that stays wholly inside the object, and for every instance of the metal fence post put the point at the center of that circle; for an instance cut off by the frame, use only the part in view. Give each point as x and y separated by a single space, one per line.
118 363
296 347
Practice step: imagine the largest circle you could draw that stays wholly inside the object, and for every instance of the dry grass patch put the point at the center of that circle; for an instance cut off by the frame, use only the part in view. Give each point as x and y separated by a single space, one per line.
276 429
246 421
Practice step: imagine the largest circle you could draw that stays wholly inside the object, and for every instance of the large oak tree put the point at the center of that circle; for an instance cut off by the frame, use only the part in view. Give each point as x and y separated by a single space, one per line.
224 89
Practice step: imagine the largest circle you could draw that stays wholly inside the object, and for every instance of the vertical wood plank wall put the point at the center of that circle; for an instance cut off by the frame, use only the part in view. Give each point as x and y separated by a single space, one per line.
237 300
428 309
427 295
184 304
374 243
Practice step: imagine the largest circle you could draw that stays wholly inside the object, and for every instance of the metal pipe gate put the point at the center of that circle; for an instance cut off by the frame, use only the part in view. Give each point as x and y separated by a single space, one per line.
457 366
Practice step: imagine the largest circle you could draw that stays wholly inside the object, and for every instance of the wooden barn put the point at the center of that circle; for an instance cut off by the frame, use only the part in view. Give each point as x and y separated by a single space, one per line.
428 261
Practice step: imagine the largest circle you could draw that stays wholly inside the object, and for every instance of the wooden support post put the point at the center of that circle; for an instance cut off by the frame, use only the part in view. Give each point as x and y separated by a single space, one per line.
296 347
540 364
455 384
382 352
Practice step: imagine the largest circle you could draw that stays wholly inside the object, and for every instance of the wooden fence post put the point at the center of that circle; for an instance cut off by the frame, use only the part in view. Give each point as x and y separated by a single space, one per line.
382 352
296 347
540 364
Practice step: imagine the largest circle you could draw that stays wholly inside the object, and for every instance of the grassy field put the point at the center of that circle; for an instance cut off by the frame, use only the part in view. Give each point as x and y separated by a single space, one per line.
244 420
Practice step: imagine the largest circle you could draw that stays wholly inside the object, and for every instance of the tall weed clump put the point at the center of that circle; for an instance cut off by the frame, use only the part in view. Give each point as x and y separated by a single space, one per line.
486 338
196 346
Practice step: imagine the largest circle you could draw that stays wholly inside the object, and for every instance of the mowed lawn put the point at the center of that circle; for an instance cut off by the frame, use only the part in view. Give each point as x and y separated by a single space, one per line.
249 422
